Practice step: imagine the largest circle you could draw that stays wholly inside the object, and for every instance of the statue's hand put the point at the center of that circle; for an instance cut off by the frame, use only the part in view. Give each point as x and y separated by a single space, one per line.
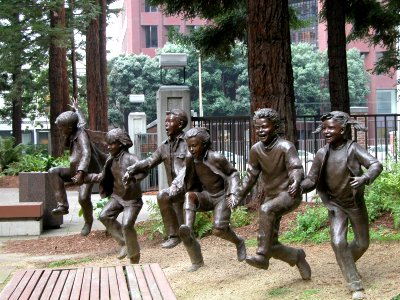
173 190
127 178
356 182
74 104
78 178
232 201
294 189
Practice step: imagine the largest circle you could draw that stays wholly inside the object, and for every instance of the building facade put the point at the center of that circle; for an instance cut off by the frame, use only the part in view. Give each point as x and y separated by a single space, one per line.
144 28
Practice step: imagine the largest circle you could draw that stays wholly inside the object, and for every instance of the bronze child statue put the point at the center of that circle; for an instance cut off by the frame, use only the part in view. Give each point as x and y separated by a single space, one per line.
84 157
210 182
125 198
276 163
172 153
337 174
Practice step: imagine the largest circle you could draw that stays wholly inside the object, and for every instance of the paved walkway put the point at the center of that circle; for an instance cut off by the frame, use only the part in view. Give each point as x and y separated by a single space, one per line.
72 222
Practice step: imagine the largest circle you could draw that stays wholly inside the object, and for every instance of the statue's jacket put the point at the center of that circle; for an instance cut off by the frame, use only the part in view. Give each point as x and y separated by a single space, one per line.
219 165
356 158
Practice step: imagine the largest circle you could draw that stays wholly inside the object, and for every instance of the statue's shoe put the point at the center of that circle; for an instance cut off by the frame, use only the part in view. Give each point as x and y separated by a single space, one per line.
135 259
258 261
303 266
60 210
87 227
171 243
122 253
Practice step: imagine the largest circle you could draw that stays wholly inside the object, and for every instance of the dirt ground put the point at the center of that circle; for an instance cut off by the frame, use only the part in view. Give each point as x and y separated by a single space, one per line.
222 277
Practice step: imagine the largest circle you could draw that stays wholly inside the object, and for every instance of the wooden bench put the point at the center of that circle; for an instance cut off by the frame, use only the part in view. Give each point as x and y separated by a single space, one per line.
141 281
21 218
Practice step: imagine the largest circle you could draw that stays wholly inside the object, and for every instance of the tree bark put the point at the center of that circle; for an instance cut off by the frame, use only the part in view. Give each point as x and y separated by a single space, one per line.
96 71
270 66
17 106
338 80
58 82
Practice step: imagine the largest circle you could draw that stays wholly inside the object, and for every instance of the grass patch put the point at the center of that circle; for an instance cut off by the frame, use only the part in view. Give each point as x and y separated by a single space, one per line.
309 294
251 242
278 292
69 262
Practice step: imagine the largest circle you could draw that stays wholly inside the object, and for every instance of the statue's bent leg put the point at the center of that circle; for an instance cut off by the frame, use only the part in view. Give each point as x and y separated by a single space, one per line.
84 199
129 232
57 177
187 235
222 229
108 217
170 219
339 226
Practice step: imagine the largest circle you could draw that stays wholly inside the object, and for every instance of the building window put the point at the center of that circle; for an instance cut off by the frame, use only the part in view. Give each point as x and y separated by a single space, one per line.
190 28
149 8
379 56
151 36
385 101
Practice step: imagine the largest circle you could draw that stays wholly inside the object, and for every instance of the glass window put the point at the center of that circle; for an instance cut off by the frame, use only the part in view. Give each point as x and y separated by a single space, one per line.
151 36
149 8
385 101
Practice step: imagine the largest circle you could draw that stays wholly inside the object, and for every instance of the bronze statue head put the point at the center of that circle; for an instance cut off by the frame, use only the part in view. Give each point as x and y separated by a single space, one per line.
202 134
119 135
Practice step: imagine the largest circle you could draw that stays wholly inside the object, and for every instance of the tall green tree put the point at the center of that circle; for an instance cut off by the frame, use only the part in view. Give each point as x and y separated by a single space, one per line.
22 47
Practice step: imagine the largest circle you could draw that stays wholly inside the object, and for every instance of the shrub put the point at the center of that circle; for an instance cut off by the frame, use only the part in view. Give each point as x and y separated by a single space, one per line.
384 195
8 152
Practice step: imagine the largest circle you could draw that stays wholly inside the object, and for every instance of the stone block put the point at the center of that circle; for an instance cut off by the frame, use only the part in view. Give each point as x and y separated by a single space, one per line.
35 187
9 227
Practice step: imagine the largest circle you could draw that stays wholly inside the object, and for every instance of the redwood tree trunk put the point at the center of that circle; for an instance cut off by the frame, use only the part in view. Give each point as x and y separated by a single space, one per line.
270 66
58 82
17 106
96 71
338 80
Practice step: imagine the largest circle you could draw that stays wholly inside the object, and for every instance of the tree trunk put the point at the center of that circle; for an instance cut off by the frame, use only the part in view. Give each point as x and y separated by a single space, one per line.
270 66
96 71
338 81
16 98
58 82
73 56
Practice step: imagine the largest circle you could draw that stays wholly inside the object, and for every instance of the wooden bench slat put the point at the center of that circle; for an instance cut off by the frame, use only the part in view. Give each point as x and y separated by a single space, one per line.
144 289
31 284
135 282
50 285
10 287
21 285
162 282
104 285
112 278
132 283
76 288
68 285
37 292
59 285
95 286
151 283
123 288
85 290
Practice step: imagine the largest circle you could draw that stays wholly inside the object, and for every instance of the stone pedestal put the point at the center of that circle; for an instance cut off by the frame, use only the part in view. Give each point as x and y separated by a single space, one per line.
35 187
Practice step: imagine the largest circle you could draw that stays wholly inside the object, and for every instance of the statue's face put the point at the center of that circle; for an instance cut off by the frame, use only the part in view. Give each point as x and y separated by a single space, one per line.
172 125
114 148
265 130
333 132
195 146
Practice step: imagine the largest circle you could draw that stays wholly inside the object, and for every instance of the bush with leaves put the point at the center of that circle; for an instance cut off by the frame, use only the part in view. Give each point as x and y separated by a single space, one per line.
202 225
36 162
8 152
384 195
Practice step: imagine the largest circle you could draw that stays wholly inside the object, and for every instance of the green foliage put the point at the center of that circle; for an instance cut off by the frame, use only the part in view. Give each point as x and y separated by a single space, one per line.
384 195
310 72
202 225
98 206
35 162
279 292
310 226
241 217
8 152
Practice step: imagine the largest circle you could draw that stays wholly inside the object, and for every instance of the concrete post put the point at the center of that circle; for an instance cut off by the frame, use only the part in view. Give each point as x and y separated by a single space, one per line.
169 97
136 124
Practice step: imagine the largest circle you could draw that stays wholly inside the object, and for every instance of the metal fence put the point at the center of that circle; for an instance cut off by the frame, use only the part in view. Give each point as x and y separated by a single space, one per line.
231 137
